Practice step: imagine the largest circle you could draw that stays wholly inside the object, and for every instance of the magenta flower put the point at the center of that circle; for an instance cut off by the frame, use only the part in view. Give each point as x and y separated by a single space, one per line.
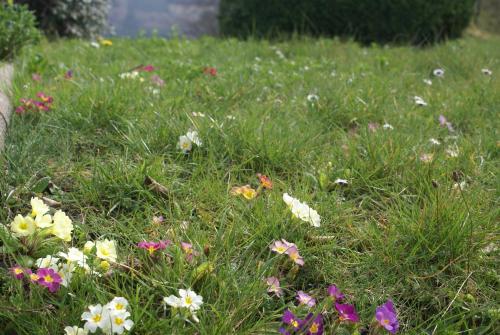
294 255
444 122
387 318
333 291
151 247
18 272
305 299
68 74
148 68
155 79
188 250
290 319
45 98
49 278
274 286
347 312
315 327
210 71
281 247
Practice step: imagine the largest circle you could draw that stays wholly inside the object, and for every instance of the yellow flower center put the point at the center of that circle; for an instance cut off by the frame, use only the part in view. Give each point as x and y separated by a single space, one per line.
34 277
96 318
295 323
105 252
189 300
151 249
118 321
33 213
314 328
385 321
281 249
18 271
48 279
119 306
185 145
294 256
23 225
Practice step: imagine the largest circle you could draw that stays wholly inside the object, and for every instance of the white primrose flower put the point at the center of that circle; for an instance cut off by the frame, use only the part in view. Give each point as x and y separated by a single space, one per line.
302 210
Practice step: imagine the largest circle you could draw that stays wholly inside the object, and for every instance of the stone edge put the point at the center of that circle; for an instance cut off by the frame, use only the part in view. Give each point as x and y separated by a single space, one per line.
6 75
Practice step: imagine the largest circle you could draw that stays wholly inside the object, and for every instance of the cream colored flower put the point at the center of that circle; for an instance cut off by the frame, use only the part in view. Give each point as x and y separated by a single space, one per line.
302 210
38 207
62 226
23 226
106 250
87 248
43 221
185 144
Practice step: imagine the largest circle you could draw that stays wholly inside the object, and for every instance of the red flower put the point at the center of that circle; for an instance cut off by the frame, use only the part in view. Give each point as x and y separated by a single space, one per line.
210 71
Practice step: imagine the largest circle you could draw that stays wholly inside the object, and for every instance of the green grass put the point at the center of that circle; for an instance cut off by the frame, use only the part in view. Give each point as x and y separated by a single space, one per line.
392 234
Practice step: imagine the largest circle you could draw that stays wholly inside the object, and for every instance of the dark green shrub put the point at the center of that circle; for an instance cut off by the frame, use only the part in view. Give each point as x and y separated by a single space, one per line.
17 29
414 21
71 18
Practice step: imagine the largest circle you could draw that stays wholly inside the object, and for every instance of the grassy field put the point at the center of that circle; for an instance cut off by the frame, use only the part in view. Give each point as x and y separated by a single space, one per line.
417 222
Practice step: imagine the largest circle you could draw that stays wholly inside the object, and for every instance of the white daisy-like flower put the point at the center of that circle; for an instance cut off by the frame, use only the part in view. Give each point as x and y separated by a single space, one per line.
173 301
120 322
434 141
66 272
487 72
118 304
419 101
193 136
428 82
185 144
96 317
340 181
302 210
48 261
438 73
94 44
388 126
74 255
452 151
75 330
190 300
312 97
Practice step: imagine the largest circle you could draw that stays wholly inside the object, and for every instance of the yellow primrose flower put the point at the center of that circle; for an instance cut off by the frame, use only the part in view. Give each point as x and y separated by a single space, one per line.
104 265
23 226
88 246
43 221
38 207
106 250
62 226
246 191
106 43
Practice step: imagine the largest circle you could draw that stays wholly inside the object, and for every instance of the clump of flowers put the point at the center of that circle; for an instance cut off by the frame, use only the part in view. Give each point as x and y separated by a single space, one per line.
186 141
443 122
41 222
345 318
42 104
47 277
186 304
302 211
112 318
284 247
